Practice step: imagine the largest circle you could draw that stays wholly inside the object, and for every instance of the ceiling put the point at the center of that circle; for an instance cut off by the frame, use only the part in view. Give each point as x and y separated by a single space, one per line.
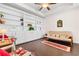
34 9
44 10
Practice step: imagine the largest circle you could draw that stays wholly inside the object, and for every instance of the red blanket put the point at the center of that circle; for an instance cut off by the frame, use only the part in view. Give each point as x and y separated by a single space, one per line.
4 53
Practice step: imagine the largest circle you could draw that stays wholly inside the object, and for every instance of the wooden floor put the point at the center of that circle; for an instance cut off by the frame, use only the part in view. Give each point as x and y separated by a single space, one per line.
39 49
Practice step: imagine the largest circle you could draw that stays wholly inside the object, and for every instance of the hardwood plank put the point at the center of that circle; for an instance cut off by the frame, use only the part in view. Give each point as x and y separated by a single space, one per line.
40 49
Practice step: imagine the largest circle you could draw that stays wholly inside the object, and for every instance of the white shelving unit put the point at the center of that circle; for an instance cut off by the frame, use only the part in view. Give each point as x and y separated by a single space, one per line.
12 17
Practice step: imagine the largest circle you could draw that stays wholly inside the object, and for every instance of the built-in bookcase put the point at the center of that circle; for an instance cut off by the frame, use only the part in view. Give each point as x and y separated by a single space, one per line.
13 26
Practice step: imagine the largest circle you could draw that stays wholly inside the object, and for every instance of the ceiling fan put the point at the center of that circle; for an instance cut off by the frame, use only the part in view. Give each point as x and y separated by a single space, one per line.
45 5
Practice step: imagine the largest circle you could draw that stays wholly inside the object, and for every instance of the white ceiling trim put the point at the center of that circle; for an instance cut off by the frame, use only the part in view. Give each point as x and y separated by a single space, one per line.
62 8
25 8
18 13
32 10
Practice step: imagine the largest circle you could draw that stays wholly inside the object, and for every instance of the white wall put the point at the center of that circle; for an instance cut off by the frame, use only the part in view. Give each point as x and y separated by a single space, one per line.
70 19
13 26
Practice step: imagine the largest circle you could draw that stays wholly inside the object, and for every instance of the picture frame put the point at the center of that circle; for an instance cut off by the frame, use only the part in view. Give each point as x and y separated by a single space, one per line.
59 23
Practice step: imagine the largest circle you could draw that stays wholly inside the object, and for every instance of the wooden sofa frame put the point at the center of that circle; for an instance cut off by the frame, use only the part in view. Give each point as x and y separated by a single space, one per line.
60 39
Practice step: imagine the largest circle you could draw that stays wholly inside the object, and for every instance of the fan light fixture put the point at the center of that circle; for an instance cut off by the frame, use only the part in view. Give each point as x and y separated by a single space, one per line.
45 5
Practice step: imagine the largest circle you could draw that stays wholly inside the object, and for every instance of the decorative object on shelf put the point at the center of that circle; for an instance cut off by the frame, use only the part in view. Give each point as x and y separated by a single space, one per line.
22 23
2 35
1 14
29 24
30 27
59 23
4 39
2 21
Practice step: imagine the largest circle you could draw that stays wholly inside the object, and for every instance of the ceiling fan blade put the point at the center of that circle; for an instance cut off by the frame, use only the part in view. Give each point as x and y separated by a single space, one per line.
51 3
48 8
40 8
38 3
21 19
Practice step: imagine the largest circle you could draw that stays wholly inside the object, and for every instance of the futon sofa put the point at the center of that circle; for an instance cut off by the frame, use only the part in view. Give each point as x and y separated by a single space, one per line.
60 39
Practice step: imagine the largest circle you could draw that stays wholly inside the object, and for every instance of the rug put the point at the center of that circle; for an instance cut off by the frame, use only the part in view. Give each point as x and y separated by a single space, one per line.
56 45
